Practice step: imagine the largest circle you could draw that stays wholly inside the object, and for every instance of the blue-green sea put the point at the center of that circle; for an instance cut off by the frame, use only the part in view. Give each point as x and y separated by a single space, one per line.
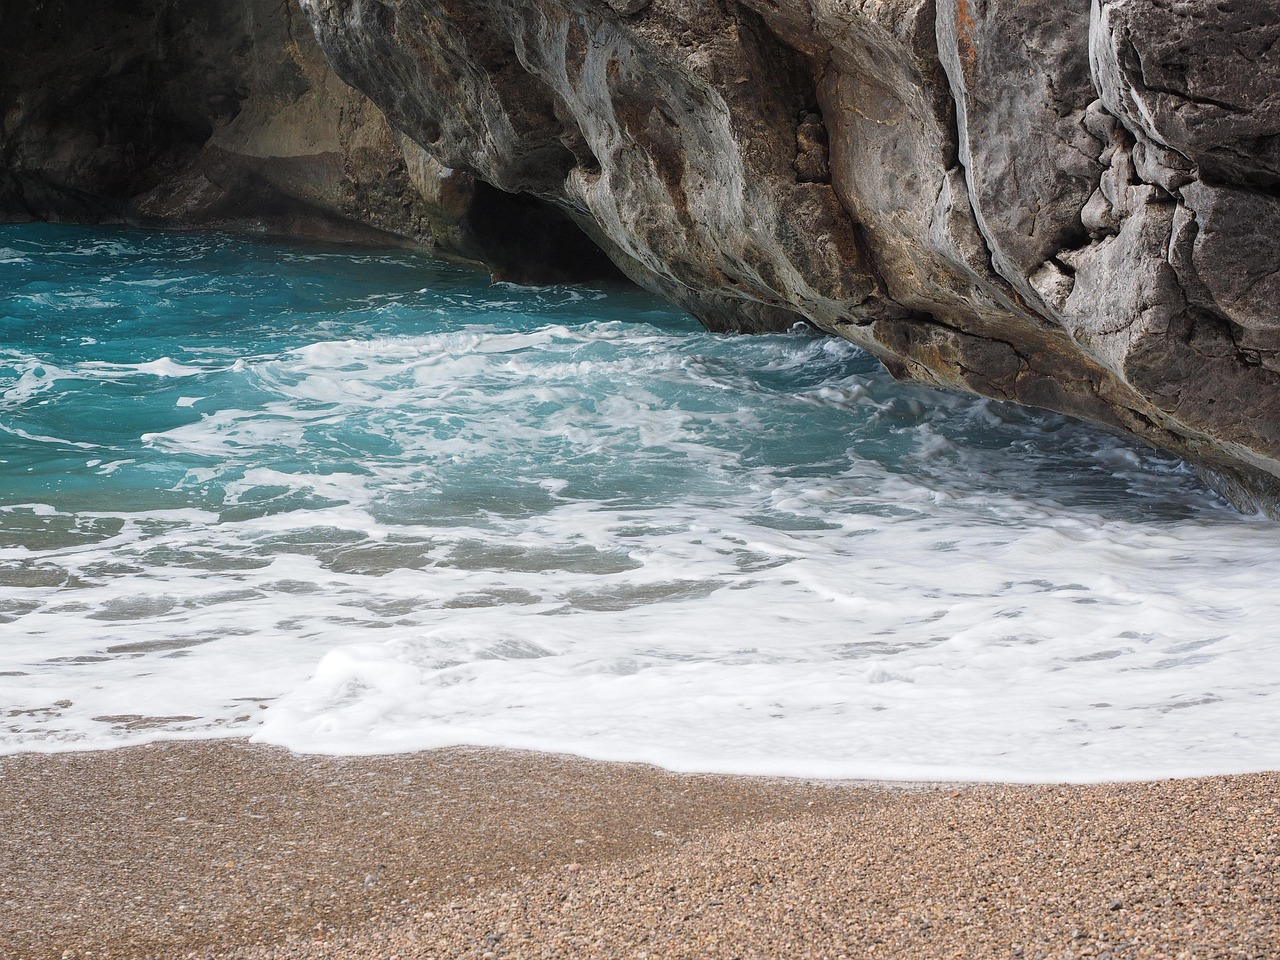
357 500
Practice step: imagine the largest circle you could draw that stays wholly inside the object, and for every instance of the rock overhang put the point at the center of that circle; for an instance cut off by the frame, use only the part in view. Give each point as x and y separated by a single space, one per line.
1063 205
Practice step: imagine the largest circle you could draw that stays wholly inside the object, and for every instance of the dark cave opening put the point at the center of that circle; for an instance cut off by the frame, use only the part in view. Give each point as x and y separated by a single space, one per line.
527 240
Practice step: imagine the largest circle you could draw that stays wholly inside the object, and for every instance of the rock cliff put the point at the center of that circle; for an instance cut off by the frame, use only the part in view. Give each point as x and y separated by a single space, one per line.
1070 206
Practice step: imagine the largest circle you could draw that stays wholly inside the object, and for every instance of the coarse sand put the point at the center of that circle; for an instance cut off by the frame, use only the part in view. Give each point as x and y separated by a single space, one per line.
224 849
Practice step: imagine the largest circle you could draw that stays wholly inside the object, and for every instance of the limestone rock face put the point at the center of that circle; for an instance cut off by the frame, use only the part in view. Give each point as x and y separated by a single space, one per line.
1059 204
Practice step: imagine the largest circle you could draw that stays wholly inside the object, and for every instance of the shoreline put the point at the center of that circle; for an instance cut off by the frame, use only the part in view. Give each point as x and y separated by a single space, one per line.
224 849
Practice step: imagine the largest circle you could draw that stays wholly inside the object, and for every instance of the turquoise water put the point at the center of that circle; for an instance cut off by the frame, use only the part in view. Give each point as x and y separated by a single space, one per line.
357 500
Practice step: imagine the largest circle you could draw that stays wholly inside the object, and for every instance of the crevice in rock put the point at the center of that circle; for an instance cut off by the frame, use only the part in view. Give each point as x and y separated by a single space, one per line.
1066 268
956 137
1207 325
1186 95
812 163
795 72
1259 186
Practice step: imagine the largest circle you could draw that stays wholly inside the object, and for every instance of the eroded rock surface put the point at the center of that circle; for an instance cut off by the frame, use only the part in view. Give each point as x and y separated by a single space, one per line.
1062 205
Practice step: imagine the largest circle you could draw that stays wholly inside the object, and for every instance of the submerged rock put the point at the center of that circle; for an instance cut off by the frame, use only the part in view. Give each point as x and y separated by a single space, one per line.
1067 207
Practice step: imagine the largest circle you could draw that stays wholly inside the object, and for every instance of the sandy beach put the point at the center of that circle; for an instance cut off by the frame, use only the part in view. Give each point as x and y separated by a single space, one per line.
228 850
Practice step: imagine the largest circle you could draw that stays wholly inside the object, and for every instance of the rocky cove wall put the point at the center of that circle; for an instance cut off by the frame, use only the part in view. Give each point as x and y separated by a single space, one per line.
225 114
1060 204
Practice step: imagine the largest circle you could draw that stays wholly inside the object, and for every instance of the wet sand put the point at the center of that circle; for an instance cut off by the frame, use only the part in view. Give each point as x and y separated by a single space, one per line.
225 849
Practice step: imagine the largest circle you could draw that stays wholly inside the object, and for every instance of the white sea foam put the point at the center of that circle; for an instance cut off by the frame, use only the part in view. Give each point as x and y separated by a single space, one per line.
162 367
897 629
40 438
742 555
